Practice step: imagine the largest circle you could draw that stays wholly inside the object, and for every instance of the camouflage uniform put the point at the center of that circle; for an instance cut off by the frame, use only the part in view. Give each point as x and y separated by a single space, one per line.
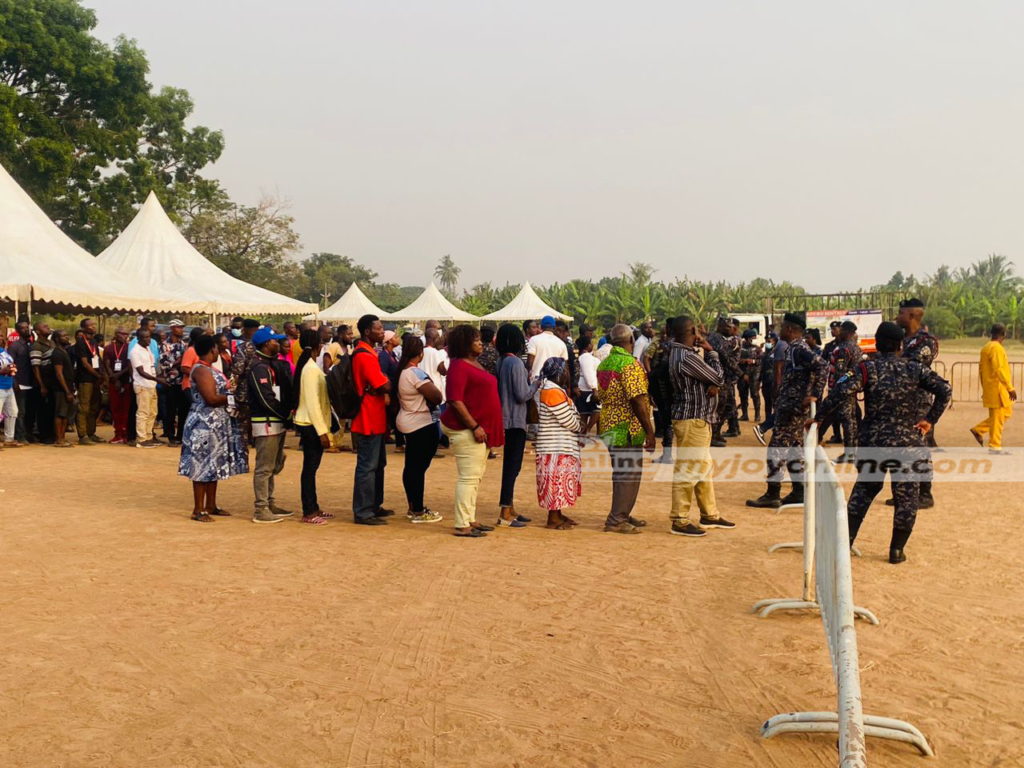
892 388
924 348
803 376
728 354
846 356
245 353
750 364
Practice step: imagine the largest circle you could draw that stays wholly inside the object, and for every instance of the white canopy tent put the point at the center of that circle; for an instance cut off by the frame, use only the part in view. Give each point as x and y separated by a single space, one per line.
527 305
349 308
152 250
431 305
43 268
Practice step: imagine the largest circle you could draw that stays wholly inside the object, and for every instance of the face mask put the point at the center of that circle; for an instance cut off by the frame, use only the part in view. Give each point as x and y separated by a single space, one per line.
767 345
236 332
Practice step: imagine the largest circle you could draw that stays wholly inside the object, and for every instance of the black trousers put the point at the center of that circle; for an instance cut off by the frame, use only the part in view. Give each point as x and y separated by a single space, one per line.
312 453
751 390
25 426
44 406
767 389
176 406
511 464
420 447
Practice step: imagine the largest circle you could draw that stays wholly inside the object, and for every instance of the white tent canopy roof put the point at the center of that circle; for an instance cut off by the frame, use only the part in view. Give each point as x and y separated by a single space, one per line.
151 249
527 305
38 262
352 305
431 305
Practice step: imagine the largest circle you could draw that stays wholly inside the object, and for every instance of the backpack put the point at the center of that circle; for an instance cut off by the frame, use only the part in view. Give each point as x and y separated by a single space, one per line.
345 397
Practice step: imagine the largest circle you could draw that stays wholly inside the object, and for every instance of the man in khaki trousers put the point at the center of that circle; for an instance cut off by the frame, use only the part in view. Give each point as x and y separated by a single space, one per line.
695 386
997 392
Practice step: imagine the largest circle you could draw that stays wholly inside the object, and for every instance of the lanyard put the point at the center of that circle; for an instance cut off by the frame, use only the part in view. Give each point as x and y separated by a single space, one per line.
91 347
117 352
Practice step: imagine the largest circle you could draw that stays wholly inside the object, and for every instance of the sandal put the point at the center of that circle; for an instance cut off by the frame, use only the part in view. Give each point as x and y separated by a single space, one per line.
325 515
201 517
220 512
472 533
569 520
484 528
565 525
313 520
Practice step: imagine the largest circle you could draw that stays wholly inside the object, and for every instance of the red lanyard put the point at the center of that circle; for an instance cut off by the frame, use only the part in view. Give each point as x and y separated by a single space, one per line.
92 347
117 353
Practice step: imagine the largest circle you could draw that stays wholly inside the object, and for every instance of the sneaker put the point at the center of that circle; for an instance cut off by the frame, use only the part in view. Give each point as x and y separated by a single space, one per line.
280 513
96 439
266 517
977 436
687 530
510 523
172 442
146 444
759 434
372 521
118 441
717 522
427 516
84 441
623 528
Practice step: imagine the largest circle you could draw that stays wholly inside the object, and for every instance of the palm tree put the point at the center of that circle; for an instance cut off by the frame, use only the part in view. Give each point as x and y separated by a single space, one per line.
447 272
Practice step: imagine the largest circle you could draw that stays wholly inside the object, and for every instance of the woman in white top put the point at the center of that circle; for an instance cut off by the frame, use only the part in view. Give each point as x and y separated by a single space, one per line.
313 422
418 399
559 470
586 401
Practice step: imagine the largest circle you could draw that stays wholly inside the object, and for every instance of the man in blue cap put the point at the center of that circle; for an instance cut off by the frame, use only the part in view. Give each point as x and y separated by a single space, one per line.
543 346
268 382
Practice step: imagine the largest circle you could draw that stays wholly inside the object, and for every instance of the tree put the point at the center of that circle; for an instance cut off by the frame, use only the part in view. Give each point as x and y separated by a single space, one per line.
447 273
335 274
255 244
81 129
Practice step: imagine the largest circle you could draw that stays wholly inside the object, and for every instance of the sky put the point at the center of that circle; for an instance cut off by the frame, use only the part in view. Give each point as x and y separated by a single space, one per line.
830 144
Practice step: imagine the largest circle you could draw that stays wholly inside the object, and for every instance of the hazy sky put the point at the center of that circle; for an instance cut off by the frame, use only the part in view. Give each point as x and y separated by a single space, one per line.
824 143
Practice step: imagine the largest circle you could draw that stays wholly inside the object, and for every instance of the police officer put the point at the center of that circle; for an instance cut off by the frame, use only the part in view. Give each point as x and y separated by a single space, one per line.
921 346
750 382
803 379
721 340
768 378
891 431
846 356
834 328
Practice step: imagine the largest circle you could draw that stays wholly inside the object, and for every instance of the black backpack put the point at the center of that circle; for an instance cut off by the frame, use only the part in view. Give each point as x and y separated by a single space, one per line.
346 399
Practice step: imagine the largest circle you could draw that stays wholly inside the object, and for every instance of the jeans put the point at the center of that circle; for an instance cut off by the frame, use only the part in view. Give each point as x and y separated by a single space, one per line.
692 473
88 408
25 423
420 447
9 409
471 461
511 464
312 453
368 487
627 472
177 402
269 462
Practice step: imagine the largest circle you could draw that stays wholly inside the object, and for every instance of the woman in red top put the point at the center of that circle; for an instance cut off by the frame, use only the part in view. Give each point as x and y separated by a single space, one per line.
472 421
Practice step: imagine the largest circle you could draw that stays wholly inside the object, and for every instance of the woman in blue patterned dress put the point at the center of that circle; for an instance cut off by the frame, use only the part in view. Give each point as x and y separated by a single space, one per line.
211 445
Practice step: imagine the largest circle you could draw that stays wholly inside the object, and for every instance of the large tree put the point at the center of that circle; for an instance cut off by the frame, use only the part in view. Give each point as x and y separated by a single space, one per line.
326 276
447 272
80 126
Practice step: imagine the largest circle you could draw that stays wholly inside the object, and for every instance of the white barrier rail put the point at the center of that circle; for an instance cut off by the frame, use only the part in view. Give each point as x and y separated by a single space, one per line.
813 457
834 591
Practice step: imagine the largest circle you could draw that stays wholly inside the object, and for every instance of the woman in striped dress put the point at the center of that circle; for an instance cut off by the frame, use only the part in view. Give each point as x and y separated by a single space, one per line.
559 471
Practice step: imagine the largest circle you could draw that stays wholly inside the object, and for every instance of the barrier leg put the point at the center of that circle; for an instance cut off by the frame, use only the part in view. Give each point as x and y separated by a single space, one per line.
828 722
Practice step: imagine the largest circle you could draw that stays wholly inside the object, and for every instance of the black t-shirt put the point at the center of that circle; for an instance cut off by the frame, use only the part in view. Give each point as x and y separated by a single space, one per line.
62 358
88 350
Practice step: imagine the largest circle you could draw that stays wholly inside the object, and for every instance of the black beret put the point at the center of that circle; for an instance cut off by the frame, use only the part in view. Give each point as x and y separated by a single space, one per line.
889 331
849 325
834 324
250 323
794 319
911 304
750 333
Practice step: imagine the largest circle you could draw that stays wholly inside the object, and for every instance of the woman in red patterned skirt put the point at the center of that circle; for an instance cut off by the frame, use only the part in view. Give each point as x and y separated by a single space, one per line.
559 471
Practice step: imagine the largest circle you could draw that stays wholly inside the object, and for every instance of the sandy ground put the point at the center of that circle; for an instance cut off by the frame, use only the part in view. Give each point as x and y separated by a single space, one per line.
134 637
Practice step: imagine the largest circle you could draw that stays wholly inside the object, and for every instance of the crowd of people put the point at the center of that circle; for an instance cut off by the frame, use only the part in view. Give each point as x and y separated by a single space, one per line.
471 393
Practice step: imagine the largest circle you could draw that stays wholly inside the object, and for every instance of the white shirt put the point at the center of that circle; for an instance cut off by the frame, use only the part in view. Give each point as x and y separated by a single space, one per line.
588 372
141 357
640 347
542 346
431 359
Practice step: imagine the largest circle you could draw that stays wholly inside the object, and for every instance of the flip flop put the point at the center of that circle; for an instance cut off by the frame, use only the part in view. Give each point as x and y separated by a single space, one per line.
314 520
220 512
563 526
202 517
473 533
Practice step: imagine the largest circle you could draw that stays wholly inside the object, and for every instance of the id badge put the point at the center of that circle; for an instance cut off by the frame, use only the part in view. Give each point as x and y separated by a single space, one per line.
95 362
117 366
277 391
231 400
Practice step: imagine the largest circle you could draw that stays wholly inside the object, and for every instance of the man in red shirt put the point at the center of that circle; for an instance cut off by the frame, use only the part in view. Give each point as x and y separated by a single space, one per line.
370 425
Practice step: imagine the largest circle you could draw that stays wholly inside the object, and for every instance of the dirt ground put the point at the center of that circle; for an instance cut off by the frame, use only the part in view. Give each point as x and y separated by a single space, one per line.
134 637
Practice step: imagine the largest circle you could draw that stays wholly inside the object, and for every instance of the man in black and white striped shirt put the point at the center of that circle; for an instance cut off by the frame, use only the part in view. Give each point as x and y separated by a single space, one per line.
695 385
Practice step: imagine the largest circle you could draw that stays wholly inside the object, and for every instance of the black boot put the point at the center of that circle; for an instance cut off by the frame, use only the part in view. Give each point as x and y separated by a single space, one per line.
899 540
717 441
757 414
854 524
770 499
795 496
734 428
743 415
925 498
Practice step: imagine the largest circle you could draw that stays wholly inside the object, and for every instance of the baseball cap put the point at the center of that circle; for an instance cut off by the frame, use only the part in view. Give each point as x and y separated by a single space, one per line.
176 324
547 322
265 334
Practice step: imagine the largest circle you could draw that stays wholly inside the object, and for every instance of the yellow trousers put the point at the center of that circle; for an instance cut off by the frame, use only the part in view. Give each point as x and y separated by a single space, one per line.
993 426
471 461
692 472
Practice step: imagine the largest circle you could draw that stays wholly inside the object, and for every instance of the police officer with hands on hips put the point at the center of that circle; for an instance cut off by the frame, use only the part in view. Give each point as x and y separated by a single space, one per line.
846 356
891 432
803 379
